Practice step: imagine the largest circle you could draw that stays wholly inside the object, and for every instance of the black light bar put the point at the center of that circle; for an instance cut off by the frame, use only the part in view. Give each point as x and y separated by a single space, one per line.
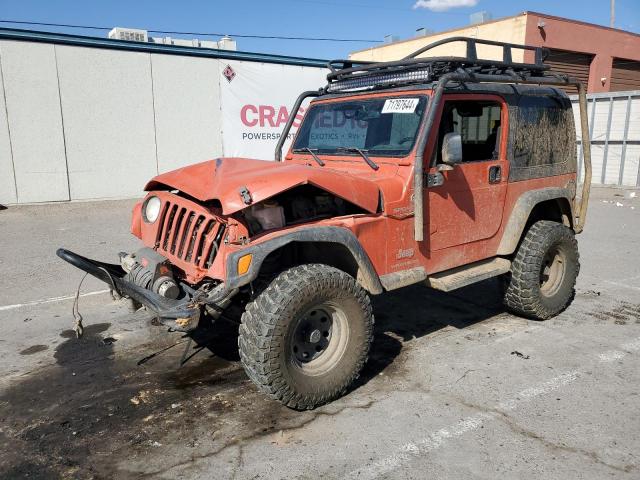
364 82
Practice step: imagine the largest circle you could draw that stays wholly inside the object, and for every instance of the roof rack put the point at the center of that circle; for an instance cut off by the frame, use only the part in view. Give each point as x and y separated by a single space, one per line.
350 75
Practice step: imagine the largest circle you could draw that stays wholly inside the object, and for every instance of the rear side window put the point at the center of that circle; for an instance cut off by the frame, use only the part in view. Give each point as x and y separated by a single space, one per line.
544 133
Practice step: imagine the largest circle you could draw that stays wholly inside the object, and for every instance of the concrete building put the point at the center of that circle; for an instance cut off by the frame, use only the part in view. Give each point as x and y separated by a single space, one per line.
606 59
86 118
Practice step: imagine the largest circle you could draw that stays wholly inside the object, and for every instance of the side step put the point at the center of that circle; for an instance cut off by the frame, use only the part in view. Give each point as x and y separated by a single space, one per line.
468 274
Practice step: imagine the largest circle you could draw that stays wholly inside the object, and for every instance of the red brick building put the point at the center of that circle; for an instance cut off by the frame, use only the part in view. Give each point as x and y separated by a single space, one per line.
606 59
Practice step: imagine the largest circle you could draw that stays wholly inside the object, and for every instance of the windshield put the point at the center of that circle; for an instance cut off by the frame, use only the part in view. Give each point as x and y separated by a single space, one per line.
380 127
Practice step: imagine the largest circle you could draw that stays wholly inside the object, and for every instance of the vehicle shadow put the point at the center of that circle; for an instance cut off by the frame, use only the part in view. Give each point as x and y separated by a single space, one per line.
417 311
400 316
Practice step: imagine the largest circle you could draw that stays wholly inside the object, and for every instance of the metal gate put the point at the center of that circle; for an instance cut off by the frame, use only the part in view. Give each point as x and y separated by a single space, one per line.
614 129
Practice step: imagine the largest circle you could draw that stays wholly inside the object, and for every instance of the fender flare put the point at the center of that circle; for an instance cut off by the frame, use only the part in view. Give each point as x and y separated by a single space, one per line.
366 277
521 211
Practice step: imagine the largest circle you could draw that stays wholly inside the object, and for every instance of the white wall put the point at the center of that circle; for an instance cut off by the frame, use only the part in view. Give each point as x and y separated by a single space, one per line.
35 122
107 104
7 178
88 123
186 93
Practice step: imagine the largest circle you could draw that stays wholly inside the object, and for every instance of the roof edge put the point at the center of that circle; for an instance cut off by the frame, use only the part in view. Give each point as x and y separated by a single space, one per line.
451 30
580 22
522 14
113 44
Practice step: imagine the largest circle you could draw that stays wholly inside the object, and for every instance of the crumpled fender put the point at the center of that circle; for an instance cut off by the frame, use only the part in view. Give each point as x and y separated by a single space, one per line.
223 178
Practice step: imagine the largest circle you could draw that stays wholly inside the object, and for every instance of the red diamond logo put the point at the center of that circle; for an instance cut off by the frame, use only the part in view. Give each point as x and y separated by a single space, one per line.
229 73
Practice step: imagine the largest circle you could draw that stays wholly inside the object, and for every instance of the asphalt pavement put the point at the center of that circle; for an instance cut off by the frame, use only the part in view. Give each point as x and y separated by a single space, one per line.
455 387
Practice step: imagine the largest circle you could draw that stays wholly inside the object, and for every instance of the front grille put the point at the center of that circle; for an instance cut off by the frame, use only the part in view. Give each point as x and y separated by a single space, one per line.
188 235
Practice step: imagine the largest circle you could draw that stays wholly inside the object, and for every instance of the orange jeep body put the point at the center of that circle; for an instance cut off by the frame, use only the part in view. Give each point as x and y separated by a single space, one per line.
445 170
467 220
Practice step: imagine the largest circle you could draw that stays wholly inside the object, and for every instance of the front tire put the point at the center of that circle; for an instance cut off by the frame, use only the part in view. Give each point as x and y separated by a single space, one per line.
544 271
306 336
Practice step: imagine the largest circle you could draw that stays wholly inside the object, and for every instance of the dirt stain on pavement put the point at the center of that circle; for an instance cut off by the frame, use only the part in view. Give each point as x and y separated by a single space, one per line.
95 407
97 414
621 315
33 349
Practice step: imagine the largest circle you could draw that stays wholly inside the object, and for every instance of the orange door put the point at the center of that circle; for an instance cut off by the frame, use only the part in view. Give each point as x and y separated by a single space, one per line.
467 206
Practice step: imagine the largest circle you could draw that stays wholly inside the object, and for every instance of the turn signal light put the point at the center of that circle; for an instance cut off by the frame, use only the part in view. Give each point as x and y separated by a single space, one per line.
244 263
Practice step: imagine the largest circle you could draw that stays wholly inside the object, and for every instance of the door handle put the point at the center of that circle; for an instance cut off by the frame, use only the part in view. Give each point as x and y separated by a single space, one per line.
495 174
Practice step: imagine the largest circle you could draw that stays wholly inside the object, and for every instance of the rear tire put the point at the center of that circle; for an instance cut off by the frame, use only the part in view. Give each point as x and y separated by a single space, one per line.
306 336
544 271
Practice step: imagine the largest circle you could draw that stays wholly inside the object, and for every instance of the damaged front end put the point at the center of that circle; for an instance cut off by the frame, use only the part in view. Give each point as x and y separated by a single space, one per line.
202 225
174 275
180 314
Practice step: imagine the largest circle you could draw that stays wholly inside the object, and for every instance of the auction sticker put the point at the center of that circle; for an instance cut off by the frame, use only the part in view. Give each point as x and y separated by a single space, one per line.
400 105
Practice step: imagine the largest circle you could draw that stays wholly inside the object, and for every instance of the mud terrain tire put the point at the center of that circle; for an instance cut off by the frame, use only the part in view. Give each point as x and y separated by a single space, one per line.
544 272
304 339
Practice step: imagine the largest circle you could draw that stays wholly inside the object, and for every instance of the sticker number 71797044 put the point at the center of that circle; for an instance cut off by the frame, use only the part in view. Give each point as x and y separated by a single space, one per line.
400 105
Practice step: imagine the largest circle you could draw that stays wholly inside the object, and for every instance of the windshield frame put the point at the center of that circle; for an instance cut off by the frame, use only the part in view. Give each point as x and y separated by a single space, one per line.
365 98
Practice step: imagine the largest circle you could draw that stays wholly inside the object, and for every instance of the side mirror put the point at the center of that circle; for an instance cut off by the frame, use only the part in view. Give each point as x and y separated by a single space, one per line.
452 149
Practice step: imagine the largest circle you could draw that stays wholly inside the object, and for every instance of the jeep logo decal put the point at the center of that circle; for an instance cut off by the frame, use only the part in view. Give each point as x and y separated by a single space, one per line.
408 253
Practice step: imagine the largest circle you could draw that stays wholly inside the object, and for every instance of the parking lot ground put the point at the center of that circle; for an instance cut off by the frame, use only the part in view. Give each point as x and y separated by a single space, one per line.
455 387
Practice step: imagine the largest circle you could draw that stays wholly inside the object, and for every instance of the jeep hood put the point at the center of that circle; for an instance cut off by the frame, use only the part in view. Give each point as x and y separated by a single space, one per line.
223 179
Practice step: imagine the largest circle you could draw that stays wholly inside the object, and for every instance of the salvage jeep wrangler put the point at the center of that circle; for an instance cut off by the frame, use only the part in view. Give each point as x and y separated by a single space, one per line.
444 171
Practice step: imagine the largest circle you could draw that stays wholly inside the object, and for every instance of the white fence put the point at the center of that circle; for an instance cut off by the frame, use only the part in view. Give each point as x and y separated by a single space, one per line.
614 129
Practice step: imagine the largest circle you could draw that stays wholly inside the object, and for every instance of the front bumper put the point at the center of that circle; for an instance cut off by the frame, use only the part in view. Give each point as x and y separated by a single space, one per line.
181 315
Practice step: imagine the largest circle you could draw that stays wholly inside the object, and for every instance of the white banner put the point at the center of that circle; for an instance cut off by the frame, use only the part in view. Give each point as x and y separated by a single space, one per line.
256 99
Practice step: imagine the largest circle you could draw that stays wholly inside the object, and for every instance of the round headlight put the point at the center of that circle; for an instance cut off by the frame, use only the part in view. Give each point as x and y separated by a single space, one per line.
151 209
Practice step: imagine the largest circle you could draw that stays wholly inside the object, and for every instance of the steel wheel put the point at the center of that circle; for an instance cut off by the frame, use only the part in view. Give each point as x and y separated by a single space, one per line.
552 271
319 338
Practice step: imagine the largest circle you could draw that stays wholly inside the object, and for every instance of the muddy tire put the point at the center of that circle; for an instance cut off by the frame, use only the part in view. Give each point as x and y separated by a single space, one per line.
306 336
544 272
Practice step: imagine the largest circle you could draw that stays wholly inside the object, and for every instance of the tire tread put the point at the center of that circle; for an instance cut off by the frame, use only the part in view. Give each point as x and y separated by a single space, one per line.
262 333
523 295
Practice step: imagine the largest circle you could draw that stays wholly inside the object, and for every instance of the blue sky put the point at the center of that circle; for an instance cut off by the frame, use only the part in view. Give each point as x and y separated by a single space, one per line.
362 19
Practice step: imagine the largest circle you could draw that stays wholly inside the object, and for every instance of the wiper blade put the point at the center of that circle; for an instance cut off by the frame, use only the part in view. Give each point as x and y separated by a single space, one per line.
312 153
363 154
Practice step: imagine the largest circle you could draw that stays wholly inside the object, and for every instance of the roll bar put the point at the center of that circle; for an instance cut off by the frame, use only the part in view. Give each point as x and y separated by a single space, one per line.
292 116
580 207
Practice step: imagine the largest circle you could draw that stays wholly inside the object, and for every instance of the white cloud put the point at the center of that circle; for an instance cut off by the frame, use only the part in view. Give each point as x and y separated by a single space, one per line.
442 5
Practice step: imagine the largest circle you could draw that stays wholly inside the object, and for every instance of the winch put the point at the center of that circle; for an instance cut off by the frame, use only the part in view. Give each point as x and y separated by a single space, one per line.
148 269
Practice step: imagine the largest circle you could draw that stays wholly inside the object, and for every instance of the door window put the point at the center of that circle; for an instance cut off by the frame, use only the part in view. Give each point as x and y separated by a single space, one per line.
478 123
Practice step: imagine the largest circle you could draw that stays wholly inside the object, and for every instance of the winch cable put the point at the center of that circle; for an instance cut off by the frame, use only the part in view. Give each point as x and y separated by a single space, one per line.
78 328
75 311
113 291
